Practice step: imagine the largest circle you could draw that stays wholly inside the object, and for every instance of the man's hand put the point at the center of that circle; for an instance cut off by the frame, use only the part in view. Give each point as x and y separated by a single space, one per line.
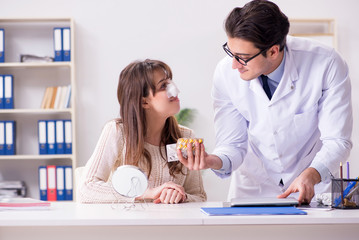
199 160
304 184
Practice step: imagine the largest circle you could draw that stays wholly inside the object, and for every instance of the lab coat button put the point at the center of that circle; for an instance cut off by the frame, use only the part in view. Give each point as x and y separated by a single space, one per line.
275 133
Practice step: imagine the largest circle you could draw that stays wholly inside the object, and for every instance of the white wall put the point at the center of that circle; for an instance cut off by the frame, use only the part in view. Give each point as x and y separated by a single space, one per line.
186 34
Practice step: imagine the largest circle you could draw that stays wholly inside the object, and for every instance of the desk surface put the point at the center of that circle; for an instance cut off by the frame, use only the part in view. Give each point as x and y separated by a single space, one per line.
74 214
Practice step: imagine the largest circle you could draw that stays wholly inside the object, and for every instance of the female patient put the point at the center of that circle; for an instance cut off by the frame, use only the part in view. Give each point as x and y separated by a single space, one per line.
139 138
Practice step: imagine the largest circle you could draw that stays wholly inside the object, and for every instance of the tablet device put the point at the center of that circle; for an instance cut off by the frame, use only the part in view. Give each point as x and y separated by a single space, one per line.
263 201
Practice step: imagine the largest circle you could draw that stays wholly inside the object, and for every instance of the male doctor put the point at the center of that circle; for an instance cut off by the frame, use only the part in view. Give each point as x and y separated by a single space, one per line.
283 114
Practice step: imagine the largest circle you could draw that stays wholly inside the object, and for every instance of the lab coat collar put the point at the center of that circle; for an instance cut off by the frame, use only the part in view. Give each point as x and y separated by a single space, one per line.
286 85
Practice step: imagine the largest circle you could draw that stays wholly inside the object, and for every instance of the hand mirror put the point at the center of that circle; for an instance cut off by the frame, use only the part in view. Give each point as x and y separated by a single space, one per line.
129 181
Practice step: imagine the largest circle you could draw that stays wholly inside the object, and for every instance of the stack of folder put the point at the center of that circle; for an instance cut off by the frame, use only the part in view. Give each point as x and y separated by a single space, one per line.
6 92
55 136
7 137
55 183
56 97
62 44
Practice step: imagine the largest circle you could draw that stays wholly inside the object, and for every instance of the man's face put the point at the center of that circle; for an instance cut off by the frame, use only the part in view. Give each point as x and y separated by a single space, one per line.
245 50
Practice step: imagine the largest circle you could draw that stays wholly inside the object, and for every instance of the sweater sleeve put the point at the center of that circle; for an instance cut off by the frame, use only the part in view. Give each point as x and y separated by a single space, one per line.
95 182
193 186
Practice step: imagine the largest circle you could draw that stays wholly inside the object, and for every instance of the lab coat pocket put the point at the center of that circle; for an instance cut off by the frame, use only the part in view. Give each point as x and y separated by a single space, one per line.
306 122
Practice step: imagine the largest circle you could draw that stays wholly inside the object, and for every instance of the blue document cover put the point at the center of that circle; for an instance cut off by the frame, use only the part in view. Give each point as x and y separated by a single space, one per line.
43 182
58 45
8 92
221 211
2 86
2 45
60 182
66 44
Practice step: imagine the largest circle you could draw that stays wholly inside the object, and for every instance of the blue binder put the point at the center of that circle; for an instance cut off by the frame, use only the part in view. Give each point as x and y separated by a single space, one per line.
42 126
288 210
68 136
8 92
2 45
60 141
10 137
2 138
43 182
68 183
2 84
51 136
58 45
60 183
66 44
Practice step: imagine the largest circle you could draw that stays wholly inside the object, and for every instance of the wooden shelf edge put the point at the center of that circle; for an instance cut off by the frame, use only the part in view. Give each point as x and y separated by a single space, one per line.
36 157
34 64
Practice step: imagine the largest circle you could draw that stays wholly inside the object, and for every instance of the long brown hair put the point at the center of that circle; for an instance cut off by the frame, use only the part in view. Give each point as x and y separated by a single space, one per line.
135 83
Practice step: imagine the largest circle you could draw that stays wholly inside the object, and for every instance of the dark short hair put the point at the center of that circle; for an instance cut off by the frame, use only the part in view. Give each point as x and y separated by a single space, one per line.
260 22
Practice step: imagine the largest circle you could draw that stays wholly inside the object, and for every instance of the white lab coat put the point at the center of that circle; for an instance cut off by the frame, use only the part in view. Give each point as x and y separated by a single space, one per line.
308 121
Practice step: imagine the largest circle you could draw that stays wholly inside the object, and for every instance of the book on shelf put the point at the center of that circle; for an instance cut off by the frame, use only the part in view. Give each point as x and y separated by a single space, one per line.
56 97
6 91
62 44
7 137
56 183
55 136
2 45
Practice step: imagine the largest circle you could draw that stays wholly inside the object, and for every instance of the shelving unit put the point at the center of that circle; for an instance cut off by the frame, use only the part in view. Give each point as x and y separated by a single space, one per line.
35 36
323 30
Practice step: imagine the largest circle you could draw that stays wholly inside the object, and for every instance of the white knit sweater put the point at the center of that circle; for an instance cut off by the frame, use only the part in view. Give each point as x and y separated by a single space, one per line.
95 185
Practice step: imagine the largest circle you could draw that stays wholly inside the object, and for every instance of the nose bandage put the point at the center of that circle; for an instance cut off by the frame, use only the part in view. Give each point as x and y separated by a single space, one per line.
172 90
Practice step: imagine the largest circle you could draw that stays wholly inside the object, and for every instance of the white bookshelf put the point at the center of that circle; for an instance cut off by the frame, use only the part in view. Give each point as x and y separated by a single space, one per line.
35 36
322 30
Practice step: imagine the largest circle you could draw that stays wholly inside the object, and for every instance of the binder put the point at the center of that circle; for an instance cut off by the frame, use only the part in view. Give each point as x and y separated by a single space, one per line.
42 137
60 142
2 45
2 91
68 183
58 44
68 136
66 44
51 183
43 182
9 137
60 183
8 92
51 134
2 138
287 210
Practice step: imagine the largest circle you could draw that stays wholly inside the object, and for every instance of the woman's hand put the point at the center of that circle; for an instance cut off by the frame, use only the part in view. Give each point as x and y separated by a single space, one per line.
166 193
170 195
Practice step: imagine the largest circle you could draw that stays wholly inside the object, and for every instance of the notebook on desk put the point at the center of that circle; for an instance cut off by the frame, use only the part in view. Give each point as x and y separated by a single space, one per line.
278 210
263 202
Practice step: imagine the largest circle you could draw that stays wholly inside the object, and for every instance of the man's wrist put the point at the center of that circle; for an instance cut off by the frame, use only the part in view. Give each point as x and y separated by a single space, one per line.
215 162
314 173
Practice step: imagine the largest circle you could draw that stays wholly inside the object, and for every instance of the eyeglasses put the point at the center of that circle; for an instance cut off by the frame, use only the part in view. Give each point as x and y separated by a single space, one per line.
240 60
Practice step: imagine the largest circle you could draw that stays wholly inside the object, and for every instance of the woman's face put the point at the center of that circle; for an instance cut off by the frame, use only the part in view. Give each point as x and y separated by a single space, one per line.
159 103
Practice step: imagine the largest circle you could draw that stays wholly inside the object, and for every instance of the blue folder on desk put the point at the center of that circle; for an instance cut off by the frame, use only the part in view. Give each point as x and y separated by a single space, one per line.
221 211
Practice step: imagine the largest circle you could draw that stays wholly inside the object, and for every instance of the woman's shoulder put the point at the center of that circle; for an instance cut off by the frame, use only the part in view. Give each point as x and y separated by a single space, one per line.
114 125
186 132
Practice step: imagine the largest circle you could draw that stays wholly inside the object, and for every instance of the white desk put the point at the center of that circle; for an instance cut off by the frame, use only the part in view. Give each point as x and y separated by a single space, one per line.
183 221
